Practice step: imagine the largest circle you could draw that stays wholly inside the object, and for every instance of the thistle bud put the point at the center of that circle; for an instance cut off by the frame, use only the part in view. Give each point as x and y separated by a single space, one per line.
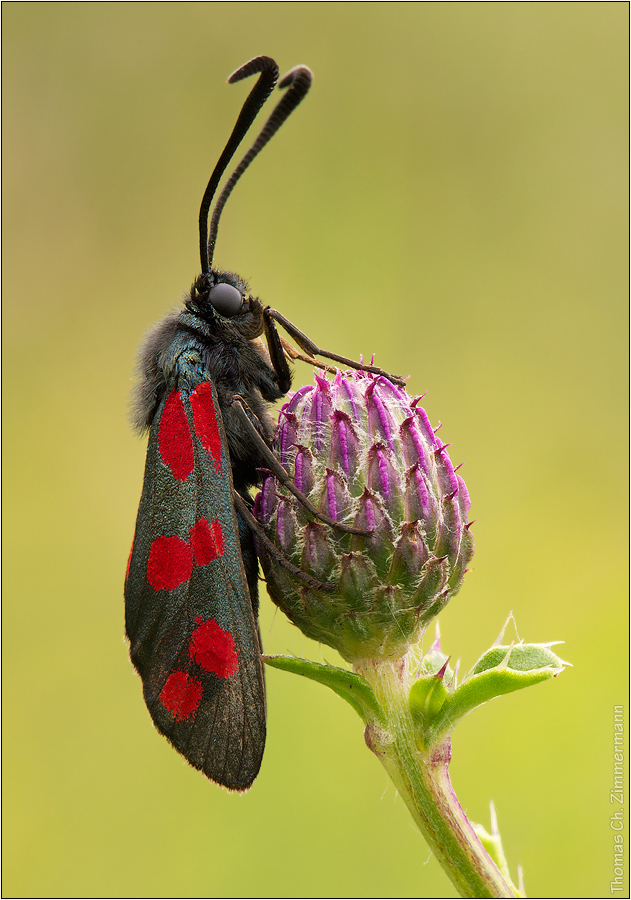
365 455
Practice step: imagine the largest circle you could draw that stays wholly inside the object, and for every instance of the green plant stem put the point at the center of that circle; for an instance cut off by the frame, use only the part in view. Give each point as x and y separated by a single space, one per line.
422 778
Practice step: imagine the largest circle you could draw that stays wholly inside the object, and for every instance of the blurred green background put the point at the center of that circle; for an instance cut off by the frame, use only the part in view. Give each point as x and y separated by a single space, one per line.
451 196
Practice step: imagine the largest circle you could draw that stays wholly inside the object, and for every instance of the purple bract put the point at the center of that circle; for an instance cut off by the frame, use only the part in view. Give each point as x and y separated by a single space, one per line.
365 454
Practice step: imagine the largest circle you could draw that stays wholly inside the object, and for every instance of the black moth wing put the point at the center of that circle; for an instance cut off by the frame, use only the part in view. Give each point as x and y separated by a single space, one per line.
189 618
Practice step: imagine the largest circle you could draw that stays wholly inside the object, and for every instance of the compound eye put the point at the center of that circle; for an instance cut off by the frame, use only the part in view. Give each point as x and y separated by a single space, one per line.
226 299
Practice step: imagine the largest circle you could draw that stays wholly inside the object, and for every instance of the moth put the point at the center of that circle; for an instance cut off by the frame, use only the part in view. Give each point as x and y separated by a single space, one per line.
206 382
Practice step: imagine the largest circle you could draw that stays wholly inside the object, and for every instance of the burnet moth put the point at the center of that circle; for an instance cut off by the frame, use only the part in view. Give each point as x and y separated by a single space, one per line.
191 589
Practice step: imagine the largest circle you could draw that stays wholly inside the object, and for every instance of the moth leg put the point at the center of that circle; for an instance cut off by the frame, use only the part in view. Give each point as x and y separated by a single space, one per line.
277 354
306 344
248 419
243 510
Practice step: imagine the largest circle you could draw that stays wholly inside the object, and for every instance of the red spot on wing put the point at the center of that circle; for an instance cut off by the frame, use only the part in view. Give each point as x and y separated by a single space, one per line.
206 541
205 421
181 694
174 438
170 563
213 649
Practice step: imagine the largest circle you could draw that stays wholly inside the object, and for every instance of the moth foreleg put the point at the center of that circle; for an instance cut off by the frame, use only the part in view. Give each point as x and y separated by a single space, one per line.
306 344
277 354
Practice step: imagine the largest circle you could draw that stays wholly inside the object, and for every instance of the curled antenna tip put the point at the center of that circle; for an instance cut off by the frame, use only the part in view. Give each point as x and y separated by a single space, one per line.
302 72
258 64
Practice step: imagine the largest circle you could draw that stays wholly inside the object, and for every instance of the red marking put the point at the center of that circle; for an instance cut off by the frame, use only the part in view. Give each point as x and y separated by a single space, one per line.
206 541
213 649
174 438
181 695
131 550
170 563
206 421
218 533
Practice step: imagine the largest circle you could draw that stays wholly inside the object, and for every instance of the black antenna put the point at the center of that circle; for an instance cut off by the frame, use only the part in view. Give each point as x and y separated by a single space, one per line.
249 111
298 80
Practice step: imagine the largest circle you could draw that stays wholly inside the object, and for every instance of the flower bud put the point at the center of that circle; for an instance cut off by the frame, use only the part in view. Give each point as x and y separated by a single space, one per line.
365 455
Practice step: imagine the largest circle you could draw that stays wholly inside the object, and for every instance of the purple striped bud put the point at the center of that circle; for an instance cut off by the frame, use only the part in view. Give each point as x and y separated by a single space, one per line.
366 455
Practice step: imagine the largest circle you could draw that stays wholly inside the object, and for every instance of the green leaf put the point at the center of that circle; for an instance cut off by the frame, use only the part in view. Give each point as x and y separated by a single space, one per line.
500 670
351 687
523 658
